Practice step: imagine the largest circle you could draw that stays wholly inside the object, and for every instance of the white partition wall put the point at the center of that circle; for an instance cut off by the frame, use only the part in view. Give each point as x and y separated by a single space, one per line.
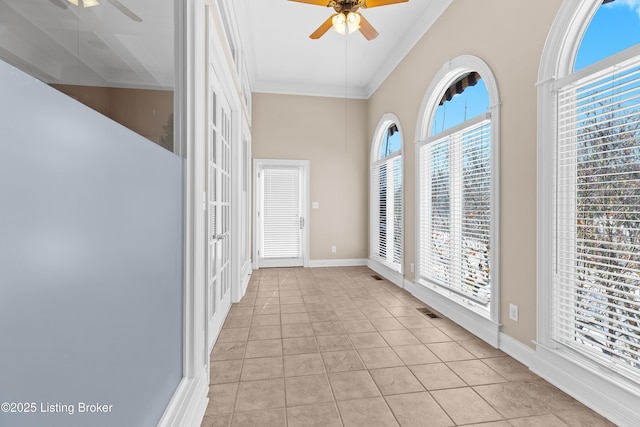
91 301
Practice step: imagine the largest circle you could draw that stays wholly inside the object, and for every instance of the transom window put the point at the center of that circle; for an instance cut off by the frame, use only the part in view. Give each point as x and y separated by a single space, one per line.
602 39
390 141
466 98
387 195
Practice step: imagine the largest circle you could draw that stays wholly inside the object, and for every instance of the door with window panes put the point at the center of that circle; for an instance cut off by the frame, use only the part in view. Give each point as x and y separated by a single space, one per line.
218 208
281 220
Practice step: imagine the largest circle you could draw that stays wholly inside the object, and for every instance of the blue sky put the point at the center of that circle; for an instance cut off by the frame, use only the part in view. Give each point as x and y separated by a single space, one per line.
470 103
615 27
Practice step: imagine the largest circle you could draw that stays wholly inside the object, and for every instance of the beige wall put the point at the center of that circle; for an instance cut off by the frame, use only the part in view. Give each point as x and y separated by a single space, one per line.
509 36
313 128
144 111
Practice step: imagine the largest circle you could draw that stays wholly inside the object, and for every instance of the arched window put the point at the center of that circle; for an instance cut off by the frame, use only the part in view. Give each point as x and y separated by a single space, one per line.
457 191
386 220
613 28
589 201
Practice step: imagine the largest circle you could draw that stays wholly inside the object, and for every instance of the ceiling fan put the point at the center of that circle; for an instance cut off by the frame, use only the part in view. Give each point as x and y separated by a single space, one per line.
347 19
89 3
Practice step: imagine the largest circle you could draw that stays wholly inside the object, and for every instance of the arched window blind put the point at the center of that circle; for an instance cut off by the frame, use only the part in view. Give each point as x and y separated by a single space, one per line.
387 200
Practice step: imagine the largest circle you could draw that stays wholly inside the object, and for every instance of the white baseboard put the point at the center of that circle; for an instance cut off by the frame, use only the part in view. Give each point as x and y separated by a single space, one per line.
614 400
611 398
384 271
337 262
480 326
519 351
246 276
188 404
596 392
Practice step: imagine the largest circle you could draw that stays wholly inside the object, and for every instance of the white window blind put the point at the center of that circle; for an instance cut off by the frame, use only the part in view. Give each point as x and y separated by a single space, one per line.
455 210
596 285
281 213
386 241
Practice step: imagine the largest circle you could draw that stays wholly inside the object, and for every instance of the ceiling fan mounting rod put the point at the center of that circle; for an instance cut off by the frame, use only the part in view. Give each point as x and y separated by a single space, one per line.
346 6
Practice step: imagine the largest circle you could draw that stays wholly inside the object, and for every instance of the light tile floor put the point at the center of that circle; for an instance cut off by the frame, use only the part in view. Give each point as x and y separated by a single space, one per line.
336 347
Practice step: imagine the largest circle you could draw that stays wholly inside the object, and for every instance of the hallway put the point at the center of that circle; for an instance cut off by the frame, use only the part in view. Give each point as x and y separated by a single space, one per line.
337 346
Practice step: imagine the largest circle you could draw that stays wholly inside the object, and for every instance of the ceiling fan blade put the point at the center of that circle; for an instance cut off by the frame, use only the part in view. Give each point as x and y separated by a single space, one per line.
60 3
367 29
376 3
326 25
315 2
124 9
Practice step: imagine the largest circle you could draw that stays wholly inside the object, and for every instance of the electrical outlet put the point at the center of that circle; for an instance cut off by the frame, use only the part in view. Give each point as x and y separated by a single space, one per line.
513 312
412 268
333 249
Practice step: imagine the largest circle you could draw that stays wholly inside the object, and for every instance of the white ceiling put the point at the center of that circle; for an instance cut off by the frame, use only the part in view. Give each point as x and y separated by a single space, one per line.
97 46
283 59
101 46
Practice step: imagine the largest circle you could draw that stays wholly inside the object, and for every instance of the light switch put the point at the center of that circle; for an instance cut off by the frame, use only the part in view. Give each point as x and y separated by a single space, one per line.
315 205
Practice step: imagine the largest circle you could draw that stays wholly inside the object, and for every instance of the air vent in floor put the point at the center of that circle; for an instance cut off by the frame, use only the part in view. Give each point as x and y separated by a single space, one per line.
375 276
428 312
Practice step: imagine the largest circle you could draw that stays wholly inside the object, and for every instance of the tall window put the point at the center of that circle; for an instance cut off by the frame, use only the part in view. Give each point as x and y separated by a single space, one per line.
596 280
455 210
456 226
387 195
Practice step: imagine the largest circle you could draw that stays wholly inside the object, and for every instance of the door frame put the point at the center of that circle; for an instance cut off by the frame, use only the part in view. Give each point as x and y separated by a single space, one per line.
221 304
195 22
304 165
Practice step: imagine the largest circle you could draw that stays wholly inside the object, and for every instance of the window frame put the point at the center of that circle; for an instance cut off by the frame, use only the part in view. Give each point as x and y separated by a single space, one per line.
375 262
483 326
453 139
607 393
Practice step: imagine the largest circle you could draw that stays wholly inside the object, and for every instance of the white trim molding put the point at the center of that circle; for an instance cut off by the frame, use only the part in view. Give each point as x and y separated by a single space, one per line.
189 402
602 390
245 276
519 351
477 324
354 262
588 384
391 275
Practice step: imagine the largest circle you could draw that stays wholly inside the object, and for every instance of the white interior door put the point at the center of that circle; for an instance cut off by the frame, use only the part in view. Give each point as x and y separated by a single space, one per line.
281 215
218 209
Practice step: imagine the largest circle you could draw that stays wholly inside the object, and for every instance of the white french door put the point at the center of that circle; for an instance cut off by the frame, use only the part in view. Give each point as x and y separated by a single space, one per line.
281 213
218 207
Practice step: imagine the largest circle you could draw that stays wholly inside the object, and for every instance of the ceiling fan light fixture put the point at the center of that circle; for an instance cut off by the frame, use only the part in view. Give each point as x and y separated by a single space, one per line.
346 23
339 22
85 3
353 21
